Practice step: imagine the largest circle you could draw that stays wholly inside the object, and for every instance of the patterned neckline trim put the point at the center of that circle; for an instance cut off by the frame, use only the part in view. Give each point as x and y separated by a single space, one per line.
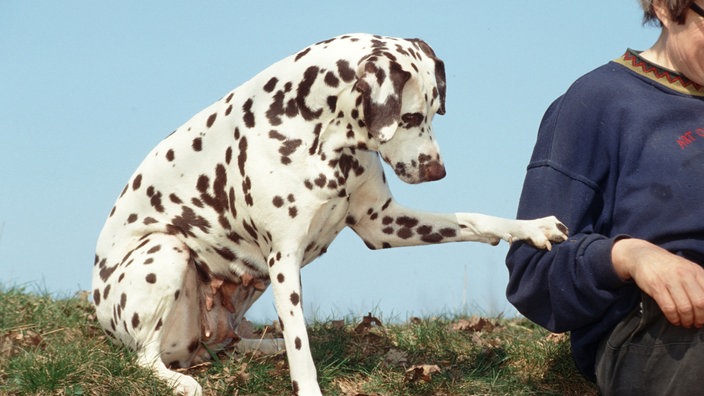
673 80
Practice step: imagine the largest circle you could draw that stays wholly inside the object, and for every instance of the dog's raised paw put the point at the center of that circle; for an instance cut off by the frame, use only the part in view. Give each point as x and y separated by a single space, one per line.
542 232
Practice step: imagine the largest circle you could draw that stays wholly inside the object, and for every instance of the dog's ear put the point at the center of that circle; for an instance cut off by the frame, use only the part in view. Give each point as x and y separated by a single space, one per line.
380 80
441 88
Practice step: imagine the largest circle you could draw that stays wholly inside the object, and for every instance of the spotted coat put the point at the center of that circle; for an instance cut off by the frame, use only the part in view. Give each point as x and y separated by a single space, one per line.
259 183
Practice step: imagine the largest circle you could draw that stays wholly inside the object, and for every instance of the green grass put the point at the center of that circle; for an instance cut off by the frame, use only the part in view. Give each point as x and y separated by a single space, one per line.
54 346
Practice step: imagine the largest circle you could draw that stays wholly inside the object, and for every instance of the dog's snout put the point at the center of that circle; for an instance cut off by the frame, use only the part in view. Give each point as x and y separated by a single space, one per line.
433 170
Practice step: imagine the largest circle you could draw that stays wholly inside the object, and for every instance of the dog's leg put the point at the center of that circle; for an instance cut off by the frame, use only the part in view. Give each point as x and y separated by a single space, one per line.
284 271
149 356
152 296
381 222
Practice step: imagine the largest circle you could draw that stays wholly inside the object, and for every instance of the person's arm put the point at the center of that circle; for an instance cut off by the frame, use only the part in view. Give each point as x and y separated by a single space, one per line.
570 176
574 284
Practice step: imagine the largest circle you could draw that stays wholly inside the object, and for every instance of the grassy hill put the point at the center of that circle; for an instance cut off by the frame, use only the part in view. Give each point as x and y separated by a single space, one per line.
54 346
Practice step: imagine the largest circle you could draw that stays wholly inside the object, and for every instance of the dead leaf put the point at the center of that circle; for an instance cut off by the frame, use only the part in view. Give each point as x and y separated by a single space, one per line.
83 295
367 323
14 341
337 324
241 375
487 343
556 337
352 387
474 324
421 372
395 357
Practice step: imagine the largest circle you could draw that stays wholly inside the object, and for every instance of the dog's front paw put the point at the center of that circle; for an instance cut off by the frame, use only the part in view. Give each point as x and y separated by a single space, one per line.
541 232
184 385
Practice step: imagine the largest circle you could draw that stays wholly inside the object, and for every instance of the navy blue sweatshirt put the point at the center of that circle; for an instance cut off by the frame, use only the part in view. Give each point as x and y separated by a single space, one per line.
621 153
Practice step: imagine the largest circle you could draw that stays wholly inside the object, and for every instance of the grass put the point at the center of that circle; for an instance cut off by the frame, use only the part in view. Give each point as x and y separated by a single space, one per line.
54 346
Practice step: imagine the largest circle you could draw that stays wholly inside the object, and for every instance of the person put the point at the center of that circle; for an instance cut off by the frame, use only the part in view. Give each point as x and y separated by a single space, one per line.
619 159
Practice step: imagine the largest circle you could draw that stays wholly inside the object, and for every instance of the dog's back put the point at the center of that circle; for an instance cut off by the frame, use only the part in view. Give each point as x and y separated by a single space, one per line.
249 153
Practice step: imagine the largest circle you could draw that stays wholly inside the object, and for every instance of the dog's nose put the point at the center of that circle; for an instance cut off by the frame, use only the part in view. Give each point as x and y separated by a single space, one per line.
431 171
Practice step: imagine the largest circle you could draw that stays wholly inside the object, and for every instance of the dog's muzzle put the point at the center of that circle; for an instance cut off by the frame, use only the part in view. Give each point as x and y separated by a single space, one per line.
431 171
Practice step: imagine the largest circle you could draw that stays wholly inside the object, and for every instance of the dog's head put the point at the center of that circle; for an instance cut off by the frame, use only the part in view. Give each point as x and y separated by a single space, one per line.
402 86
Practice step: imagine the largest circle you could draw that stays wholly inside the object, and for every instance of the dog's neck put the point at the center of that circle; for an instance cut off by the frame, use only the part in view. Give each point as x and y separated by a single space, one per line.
346 130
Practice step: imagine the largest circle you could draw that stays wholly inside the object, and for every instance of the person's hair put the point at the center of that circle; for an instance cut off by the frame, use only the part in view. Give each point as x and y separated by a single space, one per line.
676 8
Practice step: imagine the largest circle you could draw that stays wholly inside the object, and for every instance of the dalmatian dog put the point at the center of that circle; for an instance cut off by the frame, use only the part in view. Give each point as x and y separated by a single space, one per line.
258 184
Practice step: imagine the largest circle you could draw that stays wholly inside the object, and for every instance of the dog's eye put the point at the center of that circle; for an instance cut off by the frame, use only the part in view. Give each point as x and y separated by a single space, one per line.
412 119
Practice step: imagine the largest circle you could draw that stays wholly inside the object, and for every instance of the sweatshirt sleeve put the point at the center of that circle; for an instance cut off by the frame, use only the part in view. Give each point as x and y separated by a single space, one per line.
574 284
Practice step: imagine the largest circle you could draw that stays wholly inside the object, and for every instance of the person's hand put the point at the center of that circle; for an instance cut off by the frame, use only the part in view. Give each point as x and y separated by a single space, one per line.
675 283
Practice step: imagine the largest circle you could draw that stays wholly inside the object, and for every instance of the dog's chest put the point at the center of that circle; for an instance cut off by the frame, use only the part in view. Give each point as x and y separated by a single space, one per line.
325 225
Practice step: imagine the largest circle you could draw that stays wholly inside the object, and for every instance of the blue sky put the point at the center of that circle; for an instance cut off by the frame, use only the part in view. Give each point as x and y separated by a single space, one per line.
88 88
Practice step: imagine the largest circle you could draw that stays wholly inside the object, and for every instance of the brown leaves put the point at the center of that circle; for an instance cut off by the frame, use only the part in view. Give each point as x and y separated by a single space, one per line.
557 337
421 373
395 357
368 322
14 341
370 336
353 387
473 324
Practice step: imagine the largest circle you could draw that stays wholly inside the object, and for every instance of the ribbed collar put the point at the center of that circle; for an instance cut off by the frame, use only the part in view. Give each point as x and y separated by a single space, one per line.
673 80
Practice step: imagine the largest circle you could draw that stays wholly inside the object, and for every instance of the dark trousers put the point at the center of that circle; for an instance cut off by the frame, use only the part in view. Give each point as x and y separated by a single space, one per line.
646 355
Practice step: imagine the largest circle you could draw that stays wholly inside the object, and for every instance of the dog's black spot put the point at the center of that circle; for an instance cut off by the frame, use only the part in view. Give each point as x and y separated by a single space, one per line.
211 120
301 54
448 232
271 84
404 233
331 79
303 91
197 144
432 238
345 71
137 182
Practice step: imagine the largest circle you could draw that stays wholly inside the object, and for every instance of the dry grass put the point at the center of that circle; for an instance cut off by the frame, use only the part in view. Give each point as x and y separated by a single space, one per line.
54 347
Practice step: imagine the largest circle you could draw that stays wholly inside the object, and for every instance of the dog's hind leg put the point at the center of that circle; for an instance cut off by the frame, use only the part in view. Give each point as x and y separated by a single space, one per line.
153 299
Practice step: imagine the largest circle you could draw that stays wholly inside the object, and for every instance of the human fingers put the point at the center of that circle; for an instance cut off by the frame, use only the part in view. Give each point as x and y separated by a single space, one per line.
680 311
667 305
682 298
695 287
